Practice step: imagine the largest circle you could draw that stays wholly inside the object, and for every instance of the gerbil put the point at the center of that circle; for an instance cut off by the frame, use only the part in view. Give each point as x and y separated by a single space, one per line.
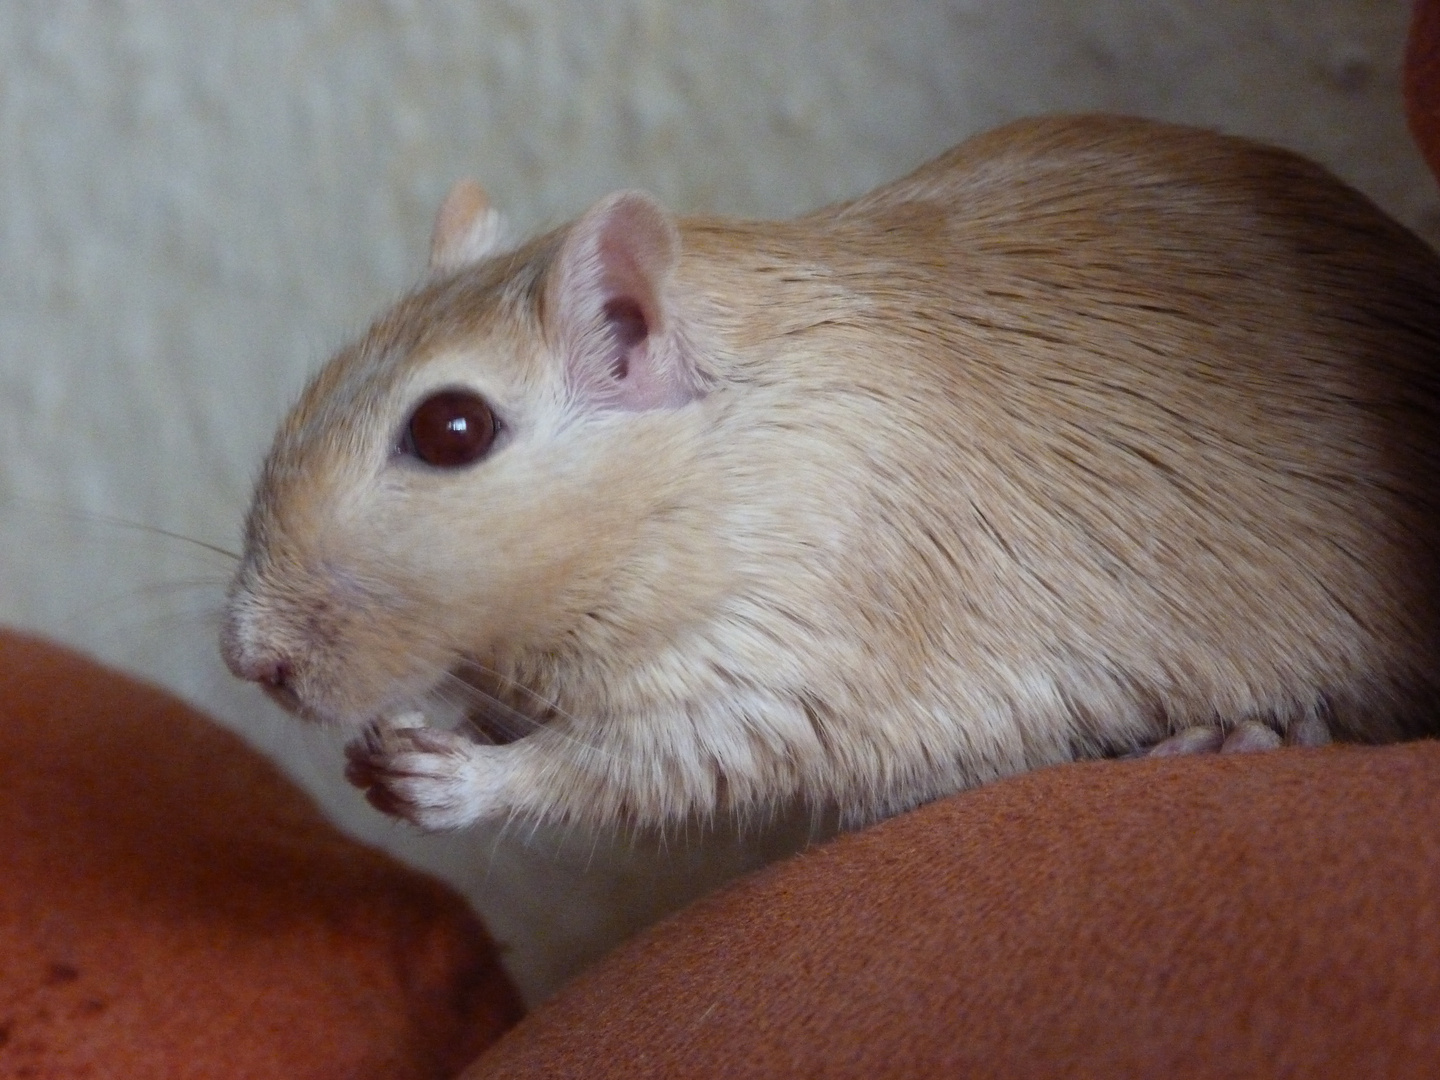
1086 432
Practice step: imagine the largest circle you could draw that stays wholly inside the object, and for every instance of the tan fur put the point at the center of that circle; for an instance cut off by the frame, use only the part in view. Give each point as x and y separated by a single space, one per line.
1088 430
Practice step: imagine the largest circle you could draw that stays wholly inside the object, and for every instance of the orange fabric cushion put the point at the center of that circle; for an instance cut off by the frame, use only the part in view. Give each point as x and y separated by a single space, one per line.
171 906
1270 914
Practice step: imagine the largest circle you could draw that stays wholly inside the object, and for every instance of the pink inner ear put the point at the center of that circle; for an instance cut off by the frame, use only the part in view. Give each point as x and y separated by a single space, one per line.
626 322
623 349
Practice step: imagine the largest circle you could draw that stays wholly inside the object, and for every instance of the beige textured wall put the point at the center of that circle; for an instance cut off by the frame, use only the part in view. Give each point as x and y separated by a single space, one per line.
198 201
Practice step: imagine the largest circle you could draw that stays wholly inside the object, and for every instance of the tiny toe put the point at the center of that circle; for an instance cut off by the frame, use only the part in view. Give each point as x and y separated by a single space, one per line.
359 773
381 799
1310 731
1193 740
360 762
366 746
1249 737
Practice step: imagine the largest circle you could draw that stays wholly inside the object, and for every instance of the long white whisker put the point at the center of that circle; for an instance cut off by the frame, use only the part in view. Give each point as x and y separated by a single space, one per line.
91 518
120 610
546 704
458 692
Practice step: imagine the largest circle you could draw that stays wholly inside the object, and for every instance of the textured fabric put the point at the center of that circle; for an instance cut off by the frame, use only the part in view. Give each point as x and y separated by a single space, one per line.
1256 915
171 907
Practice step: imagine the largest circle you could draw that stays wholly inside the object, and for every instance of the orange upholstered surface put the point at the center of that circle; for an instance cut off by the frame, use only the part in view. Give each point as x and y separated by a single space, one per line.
1240 916
171 907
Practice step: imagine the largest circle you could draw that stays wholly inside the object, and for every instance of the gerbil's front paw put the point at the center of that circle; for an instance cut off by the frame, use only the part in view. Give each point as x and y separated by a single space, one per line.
1244 738
432 778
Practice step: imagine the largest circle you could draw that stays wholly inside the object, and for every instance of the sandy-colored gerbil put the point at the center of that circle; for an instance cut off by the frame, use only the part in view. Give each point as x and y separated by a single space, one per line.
1089 432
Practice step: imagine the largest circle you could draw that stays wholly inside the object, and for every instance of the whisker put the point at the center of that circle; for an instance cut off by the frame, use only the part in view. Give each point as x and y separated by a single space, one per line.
462 695
513 684
594 850
459 693
494 857
179 586
86 517
489 698
119 610
535 824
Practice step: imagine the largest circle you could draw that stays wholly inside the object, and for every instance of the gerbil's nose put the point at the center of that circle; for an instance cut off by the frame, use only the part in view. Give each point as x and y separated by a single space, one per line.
271 672
251 656
275 674
254 662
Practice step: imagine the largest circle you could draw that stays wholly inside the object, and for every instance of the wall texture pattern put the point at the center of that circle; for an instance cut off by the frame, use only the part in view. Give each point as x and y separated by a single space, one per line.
199 201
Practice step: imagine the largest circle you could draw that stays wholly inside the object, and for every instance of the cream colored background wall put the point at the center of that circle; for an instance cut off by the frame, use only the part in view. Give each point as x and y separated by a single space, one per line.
198 201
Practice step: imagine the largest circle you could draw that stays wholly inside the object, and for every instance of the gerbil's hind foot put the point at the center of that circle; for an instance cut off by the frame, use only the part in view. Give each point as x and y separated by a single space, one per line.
1244 738
429 777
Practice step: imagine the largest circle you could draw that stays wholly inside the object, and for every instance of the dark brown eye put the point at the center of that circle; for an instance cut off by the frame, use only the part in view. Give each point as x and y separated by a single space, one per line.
450 429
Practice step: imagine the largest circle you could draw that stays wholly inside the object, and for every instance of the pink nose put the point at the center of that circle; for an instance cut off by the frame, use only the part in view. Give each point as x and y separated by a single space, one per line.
255 663
271 672
274 673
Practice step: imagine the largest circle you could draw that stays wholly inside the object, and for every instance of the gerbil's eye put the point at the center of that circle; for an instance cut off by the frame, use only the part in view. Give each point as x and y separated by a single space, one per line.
450 429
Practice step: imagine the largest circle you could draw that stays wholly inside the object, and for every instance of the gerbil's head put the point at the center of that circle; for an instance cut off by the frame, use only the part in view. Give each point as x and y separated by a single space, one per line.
479 479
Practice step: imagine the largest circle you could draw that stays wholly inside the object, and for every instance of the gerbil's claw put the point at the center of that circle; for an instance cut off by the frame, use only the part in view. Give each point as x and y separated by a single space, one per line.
357 766
1193 740
429 777
1311 731
1246 737
1249 737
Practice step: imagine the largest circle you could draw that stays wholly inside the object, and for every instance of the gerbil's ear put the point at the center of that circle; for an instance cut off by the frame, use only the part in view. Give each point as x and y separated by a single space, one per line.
467 228
607 312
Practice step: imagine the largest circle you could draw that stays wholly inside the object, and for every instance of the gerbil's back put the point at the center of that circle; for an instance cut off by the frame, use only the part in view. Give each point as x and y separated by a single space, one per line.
1142 424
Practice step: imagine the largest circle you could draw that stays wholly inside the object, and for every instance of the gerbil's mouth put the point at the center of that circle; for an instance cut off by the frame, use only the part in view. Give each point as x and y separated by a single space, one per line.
495 710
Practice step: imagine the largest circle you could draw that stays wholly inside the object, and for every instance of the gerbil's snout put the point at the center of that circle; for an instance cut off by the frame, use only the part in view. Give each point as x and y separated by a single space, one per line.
320 646
275 674
251 660
270 635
